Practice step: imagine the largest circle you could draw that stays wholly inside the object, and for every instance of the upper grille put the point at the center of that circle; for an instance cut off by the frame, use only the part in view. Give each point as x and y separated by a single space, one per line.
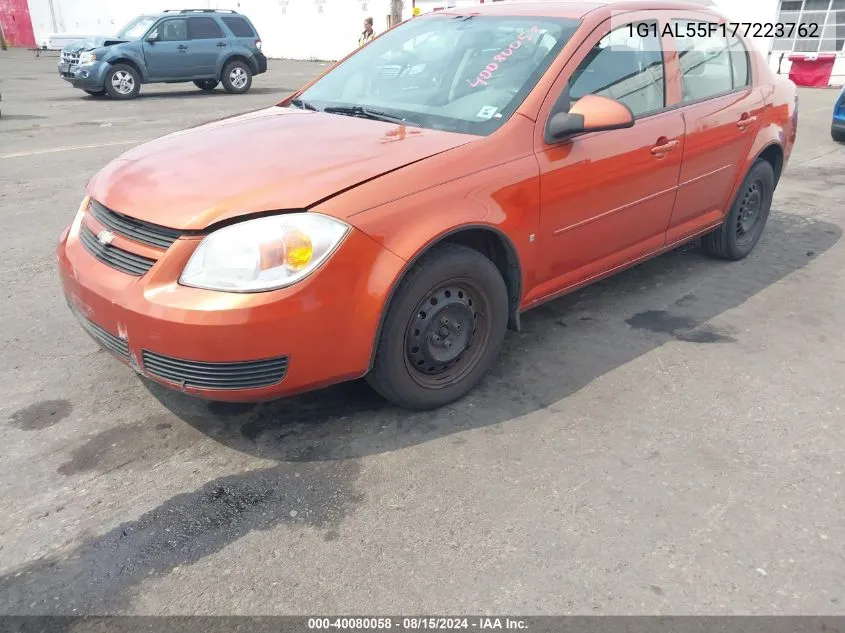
71 58
242 375
114 344
122 260
137 230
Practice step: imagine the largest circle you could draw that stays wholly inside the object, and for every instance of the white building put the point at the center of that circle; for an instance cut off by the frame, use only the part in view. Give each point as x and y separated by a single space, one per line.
328 29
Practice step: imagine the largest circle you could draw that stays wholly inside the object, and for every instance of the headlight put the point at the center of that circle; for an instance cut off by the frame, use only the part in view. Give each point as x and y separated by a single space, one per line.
87 58
263 254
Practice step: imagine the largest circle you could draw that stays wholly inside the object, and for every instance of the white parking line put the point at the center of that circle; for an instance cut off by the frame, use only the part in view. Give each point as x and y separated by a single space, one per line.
69 148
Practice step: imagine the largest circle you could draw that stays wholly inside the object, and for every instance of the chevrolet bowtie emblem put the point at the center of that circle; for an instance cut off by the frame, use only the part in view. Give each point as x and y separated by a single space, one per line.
105 237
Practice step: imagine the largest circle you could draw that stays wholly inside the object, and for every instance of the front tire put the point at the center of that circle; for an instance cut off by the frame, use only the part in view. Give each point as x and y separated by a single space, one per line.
744 224
837 135
237 78
206 85
443 330
122 82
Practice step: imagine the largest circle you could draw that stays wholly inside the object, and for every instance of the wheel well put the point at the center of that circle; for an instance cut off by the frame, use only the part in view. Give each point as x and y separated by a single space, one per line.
128 62
237 58
773 155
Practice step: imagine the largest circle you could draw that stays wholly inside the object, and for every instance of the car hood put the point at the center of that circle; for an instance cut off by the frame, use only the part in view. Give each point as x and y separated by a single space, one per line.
272 159
91 43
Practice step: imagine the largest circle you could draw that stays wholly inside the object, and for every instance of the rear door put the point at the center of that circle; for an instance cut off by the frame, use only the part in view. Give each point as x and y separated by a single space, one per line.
208 42
167 57
721 110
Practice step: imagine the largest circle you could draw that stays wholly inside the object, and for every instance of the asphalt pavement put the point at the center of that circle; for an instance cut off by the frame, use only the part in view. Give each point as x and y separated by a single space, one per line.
667 441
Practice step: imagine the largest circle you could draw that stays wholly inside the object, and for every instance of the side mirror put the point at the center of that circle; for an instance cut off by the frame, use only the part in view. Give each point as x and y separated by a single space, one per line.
591 113
152 38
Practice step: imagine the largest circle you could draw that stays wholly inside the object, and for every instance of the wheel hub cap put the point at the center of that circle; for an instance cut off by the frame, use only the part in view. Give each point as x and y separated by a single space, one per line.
441 331
750 210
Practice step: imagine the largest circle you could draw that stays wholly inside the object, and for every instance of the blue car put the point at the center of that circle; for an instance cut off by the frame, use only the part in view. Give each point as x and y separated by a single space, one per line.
837 127
204 46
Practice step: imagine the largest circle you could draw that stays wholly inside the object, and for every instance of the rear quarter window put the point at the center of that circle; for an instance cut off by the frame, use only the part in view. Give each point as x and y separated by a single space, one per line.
239 27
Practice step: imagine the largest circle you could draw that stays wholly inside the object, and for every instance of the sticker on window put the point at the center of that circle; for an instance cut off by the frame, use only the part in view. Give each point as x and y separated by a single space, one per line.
502 56
486 112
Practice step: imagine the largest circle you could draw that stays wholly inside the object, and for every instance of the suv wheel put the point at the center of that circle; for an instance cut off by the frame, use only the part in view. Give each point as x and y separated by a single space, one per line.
206 84
122 82
237 78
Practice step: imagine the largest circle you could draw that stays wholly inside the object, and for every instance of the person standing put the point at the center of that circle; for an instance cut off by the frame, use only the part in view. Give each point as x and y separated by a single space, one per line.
368 33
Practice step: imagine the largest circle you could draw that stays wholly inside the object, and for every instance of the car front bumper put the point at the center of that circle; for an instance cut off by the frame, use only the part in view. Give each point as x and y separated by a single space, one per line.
235 347
86 77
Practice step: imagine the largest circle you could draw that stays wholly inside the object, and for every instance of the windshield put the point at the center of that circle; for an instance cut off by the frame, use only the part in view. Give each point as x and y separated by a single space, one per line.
136 28
456 73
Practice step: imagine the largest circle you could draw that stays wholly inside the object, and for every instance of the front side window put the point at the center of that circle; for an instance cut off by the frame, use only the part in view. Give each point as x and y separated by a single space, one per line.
707 64
462 73
136 28
172 31
204 29
626 65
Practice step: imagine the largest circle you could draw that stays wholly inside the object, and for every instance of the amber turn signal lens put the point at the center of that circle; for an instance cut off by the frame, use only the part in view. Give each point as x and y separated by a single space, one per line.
298 250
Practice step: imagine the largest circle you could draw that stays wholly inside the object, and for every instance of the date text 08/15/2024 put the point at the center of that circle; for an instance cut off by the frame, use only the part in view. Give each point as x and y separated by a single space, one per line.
415 623
683 28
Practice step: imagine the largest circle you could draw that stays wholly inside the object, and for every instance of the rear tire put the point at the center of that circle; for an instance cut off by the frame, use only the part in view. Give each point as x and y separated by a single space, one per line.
837 135
122 82
206 85
443 330
744 224
236 78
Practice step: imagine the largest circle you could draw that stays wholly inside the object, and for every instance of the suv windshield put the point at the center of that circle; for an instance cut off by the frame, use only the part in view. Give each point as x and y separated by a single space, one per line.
451 72
136 28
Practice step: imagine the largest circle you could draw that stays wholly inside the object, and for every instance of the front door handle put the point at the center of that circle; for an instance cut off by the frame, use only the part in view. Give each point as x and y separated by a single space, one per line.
181 47
665 146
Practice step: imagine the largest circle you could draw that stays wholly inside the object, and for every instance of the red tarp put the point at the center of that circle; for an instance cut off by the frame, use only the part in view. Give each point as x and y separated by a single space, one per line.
811 71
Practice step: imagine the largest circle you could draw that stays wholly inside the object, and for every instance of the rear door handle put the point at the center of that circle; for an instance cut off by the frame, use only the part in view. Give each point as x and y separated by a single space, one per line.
745 121
181 47
661 149
221 44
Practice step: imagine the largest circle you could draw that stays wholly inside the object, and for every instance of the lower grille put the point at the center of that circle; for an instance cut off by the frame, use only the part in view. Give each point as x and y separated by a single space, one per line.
242 375
122 260
112 343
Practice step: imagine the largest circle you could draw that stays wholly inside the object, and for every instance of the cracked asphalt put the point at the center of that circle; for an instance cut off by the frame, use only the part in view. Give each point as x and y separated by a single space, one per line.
668 441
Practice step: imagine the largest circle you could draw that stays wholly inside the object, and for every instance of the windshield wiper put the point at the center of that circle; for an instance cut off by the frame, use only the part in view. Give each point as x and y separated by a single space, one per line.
305 105
366 113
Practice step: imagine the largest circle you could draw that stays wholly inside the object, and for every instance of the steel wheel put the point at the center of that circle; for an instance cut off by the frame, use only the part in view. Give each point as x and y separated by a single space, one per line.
749 212
439 340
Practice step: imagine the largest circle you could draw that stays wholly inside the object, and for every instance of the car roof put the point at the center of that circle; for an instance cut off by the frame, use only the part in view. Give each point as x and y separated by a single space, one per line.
574 8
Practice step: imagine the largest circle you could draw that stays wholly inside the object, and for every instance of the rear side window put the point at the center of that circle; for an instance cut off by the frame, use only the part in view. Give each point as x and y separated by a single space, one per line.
626 65
204 29
239 27
711 65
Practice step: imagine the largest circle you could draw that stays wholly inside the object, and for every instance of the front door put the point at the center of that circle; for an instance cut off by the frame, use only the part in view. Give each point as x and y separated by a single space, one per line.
207 44
722 118
607 197
167 57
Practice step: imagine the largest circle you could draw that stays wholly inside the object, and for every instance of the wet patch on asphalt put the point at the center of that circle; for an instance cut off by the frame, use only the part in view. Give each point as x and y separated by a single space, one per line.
41 415
182 531
683 328
153 439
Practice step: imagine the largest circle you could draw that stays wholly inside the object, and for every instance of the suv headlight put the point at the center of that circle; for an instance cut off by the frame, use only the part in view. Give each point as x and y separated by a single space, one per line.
263 254
87 57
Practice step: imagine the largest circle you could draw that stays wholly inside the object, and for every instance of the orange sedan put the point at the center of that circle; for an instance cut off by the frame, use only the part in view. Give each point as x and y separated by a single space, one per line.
395 217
